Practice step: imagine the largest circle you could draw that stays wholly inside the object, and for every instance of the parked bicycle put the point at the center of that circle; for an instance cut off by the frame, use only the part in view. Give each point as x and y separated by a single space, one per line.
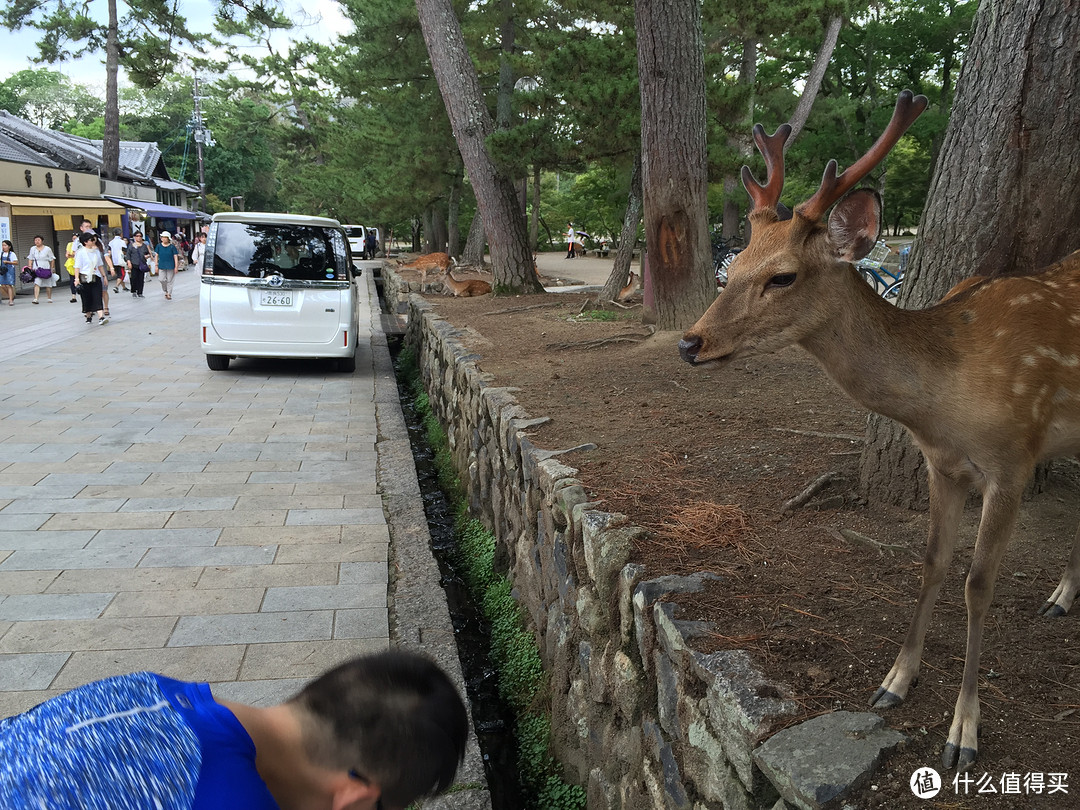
872 268
724 252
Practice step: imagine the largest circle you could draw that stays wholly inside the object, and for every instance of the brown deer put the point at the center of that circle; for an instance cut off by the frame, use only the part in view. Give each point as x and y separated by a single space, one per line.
426 263
466 288
629 289
987 381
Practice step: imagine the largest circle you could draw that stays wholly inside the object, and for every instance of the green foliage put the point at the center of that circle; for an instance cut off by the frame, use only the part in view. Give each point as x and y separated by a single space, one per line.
49 99
94 130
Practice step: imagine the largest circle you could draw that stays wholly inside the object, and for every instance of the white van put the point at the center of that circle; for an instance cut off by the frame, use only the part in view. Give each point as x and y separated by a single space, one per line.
277 285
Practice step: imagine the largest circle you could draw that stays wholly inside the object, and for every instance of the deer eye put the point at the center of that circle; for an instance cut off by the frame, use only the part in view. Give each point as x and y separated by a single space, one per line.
781 280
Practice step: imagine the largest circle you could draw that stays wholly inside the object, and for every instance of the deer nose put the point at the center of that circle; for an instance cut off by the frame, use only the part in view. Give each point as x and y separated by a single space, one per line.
689 348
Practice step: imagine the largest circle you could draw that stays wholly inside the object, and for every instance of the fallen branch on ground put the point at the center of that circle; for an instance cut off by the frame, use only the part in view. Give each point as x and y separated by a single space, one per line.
524 309
862 540
592 344
815 487
846 436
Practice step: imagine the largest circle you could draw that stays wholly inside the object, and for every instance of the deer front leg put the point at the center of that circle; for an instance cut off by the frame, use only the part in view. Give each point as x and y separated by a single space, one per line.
947 497
995 527
1061 599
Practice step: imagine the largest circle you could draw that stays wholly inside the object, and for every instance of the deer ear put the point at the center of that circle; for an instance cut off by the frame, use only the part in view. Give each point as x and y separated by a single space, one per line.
855 223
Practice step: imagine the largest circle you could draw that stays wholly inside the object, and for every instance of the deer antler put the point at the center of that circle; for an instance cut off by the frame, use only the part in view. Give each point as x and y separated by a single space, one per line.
772 149
908 108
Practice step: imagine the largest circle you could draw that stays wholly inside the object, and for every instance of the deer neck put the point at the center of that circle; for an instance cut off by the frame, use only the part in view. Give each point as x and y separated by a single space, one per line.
885 358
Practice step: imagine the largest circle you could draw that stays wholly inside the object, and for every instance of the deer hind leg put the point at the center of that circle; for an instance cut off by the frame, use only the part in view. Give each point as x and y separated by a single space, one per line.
999 511
1061 599
947 497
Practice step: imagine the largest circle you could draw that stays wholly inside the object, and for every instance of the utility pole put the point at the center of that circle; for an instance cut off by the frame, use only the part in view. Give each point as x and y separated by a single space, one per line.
202 136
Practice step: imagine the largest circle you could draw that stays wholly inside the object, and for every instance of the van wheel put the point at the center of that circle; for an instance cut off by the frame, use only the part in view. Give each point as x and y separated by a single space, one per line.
346 365
217 362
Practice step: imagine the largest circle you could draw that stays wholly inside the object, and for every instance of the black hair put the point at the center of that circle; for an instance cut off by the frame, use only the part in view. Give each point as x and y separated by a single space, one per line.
394 718
86 237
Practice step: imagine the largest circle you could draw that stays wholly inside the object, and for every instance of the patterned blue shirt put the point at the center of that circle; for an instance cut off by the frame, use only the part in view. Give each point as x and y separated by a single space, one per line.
135 741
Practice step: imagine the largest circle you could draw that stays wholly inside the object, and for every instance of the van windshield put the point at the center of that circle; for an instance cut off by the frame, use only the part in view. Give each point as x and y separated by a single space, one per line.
298 252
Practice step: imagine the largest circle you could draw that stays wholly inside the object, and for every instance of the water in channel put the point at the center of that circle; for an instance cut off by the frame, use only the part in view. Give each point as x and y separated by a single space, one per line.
492 719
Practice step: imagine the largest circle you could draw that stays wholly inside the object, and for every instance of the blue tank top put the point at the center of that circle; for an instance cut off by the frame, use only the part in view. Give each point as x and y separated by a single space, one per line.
133 741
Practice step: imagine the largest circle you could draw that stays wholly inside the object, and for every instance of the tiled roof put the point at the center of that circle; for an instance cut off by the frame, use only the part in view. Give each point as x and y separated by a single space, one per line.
139 160
11 149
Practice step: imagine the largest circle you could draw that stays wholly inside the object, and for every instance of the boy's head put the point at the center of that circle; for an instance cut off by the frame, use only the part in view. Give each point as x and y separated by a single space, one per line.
393 718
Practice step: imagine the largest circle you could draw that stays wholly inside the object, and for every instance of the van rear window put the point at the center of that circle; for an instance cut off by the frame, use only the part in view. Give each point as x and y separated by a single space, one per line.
298 252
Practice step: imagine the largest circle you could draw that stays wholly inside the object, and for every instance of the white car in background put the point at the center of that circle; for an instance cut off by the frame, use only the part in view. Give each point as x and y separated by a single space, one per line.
355 235
277 285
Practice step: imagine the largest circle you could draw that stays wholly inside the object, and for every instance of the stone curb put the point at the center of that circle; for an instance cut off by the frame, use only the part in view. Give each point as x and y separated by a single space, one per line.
419 617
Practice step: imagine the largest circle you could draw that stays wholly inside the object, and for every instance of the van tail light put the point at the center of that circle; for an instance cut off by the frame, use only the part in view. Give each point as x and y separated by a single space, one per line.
346 338
204 334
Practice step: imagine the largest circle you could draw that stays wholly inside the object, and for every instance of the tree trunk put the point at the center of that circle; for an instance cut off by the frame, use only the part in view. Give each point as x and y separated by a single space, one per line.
453 211
429 229
534 219
110 141
1003 197
813 80
671 73
474 243
620 272
511 259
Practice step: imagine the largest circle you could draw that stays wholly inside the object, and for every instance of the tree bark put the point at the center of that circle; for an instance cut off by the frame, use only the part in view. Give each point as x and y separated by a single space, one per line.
620 271
813 80
110 140
1003 197
473 253
511 259
671 74
453 211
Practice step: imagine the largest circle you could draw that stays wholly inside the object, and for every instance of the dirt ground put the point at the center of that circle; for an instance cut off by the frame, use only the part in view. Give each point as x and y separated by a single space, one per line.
705 459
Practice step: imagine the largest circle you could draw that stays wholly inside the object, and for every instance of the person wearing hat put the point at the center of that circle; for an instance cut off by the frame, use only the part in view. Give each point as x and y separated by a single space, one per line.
377 731
166 253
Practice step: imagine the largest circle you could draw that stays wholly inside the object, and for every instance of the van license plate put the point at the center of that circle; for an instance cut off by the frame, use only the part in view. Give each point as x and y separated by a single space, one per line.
276 299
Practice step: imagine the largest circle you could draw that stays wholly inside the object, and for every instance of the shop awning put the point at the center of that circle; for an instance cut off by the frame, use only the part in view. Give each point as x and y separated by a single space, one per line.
63 209
156 209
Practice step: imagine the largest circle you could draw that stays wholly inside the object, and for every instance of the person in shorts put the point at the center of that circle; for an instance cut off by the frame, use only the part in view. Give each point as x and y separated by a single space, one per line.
41 256
378 731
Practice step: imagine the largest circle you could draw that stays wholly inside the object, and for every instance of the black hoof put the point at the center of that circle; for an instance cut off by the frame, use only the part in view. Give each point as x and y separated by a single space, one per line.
884 699
1051 610
960 758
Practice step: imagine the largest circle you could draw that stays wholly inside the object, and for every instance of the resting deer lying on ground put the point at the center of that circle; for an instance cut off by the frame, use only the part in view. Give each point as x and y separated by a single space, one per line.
987 381
466 288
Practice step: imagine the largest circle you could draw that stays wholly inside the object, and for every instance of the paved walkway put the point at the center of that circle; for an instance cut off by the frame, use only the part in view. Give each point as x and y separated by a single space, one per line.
220 526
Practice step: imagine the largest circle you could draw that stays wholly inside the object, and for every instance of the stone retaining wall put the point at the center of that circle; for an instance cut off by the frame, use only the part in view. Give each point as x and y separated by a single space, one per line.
638 716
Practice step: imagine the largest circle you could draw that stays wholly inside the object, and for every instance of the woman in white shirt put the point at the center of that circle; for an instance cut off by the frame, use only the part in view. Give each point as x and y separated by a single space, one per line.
41 255
90 277
9 265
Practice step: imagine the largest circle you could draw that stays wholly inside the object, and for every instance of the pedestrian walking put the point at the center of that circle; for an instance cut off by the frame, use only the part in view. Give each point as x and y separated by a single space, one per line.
69 262
41 257
571 238
9 263
137 261
117 247
90 278
166 261
198 252
382 730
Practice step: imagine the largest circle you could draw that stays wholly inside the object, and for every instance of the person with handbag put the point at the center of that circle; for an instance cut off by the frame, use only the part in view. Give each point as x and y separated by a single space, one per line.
137 259
41 258
69 263
90 277
8 265
166 262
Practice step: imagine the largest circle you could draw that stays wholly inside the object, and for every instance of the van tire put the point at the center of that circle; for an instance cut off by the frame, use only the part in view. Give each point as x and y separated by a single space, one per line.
217 362
346 365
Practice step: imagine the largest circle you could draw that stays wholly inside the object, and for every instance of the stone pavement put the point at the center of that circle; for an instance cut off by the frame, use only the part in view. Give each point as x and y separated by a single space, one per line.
216 526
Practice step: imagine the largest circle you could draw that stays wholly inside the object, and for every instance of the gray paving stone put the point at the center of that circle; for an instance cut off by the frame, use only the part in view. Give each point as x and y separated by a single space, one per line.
153 538
34 559
234 517
87 634
252 628
335 517
30 670
105 520
278 535
322 597
17 541
329 553
258 693
47 606
363 623
16 523
266 576
363 573
125 579
186 504
42 505
208 556
14 582
188 602
220 663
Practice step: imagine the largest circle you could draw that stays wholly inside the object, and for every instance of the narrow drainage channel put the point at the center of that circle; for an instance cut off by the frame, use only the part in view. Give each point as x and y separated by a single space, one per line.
491 718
